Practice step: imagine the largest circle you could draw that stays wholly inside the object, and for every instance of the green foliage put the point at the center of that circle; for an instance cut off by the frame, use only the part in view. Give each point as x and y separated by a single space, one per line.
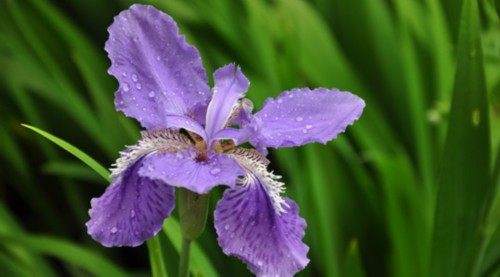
409 190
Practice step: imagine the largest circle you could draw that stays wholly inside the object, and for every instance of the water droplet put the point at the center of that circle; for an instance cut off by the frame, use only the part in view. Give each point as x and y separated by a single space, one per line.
134 77
136 39
260 263
265 115
304 131
309 126
280 100
290 95
299 119
151 94
138 85
124 74
241 249
132 213
126 87
226 227
232 235
114 230
158 58
215 171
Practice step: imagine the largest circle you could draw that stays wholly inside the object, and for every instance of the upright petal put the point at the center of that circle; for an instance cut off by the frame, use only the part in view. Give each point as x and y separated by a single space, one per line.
193 170
230 86
303 116
131 210
158 72
249 228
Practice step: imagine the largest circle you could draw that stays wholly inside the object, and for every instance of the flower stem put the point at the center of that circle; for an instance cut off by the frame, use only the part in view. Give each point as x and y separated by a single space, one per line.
184 263
156 258
193 211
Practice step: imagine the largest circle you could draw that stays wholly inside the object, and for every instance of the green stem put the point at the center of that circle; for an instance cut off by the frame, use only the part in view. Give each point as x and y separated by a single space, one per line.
156 258
184 263
193 211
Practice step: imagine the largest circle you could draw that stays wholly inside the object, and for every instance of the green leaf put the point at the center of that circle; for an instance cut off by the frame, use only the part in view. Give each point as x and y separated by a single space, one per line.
156 258
465 185
68 252
99 169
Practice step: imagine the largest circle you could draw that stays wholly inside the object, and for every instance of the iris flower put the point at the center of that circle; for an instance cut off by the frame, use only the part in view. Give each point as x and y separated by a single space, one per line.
191 141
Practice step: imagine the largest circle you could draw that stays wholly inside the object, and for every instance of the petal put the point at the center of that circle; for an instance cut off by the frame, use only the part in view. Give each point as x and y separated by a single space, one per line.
190 170
230 85
131 210
158 140
180 121
248 228
158 72
303 116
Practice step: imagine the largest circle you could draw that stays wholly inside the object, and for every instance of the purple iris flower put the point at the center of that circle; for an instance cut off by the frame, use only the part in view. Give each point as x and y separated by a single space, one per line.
191 140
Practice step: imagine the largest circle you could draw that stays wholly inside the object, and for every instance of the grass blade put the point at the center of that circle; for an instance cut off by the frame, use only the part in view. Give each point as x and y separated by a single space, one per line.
465 185
65 251
99 169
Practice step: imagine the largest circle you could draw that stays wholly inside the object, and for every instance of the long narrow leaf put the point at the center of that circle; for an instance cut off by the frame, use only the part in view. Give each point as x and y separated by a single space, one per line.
99 169
465 185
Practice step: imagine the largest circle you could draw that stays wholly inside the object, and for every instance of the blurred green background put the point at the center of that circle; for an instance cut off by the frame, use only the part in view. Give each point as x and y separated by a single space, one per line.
409 190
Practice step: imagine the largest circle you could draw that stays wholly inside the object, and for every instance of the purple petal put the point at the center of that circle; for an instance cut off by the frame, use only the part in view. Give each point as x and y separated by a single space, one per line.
249 228
180 121
131 210
229 133
190 170
303 116
230 85
158 72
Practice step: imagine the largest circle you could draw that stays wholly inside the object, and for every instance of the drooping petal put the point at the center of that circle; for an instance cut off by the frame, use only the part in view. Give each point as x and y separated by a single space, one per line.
249 228
158 72
230 85
131 210
303 116
193 170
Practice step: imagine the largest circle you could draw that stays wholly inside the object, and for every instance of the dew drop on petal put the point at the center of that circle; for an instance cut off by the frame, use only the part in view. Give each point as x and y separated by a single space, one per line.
138 85
158 58
304 131
215 171
259 263
280 100
114 230
126 87
132 213
124 74
226 227
232 235
134 77
299 119
309 127
151 94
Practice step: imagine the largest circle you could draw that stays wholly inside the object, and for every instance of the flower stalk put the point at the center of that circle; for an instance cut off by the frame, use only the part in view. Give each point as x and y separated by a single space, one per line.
193 210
